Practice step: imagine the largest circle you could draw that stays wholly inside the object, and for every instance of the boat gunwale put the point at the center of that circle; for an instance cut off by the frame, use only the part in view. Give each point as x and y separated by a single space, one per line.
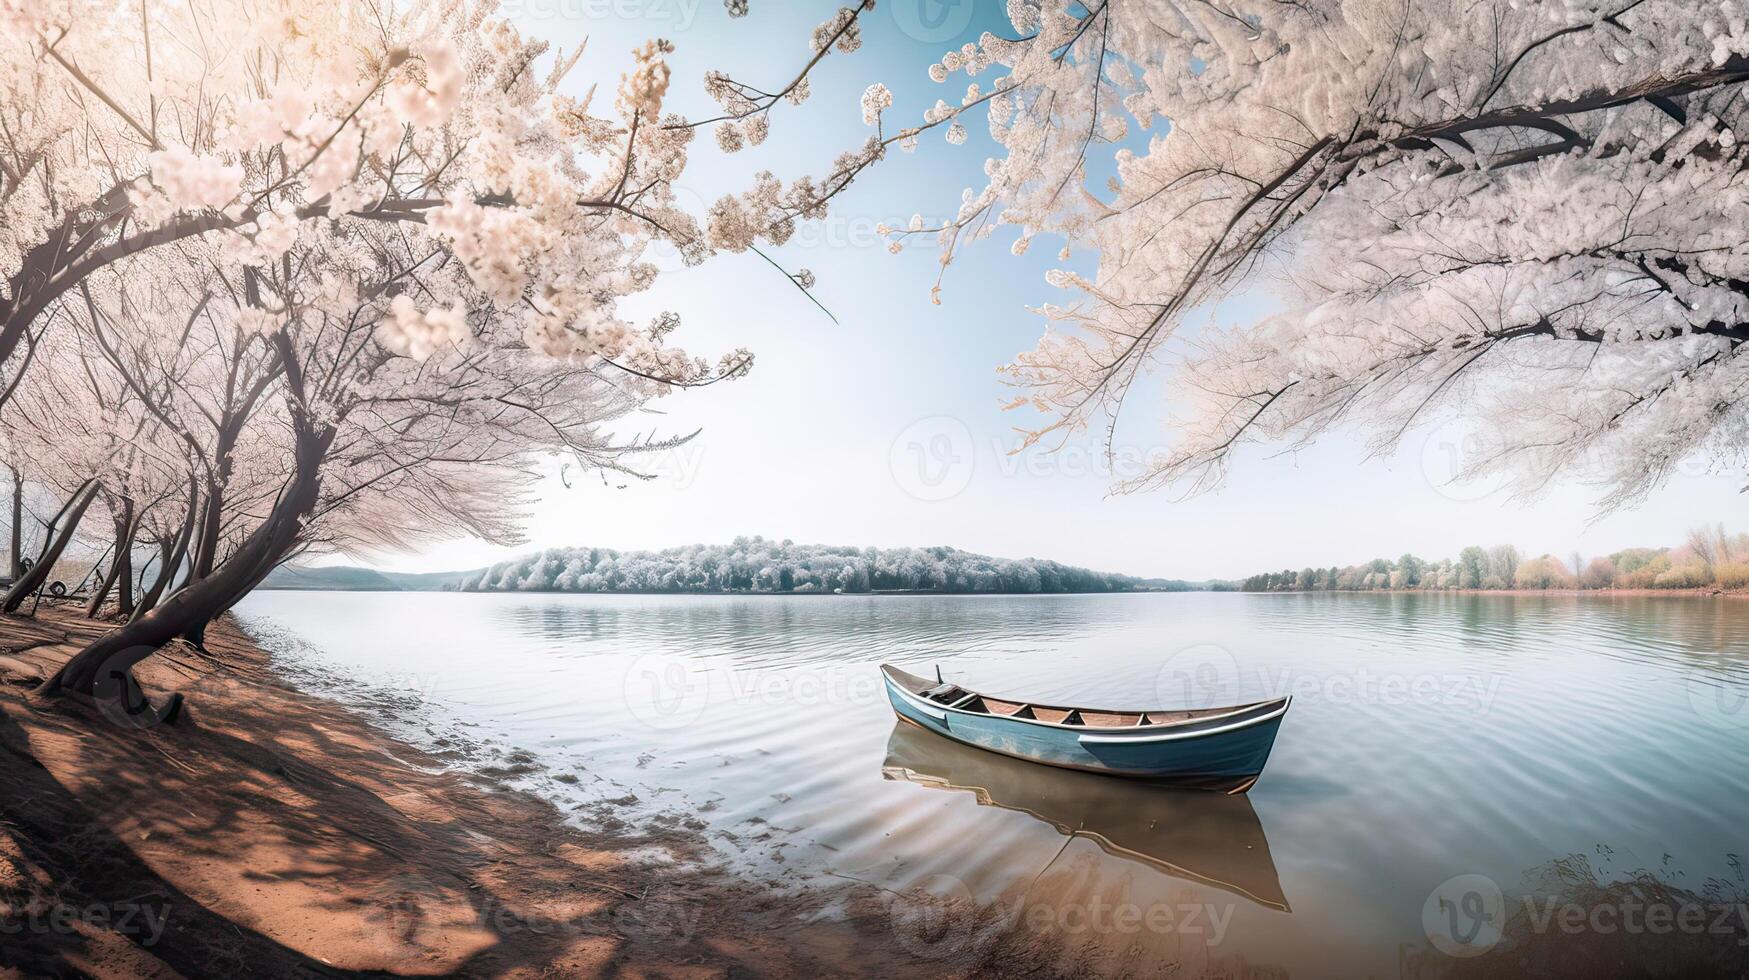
916 699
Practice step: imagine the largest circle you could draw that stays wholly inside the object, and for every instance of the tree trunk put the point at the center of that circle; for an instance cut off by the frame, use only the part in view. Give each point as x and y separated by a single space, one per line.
171 560
55 544
120 570
193 545
17 564
124 567
102 669
212 518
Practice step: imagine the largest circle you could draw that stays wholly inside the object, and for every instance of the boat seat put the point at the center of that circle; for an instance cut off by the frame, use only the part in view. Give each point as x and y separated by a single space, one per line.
996 707
948 694
1162 717
1056 716
1110 719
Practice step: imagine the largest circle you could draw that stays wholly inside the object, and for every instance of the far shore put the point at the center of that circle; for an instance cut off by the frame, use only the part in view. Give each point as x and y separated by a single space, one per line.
737 595
1598 593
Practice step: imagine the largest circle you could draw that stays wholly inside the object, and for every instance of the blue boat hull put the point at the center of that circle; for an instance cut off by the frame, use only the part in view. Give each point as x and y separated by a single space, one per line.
1226 757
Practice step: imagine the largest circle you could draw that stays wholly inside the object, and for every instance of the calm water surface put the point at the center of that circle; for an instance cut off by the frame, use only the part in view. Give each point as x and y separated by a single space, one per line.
1430 737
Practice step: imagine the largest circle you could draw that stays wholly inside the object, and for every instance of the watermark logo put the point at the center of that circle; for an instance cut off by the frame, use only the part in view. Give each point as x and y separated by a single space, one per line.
672 15
1722 705
403 911
1446 458
119 696
932 21
1468 916
665 692
144 922
660 920
933 459
1465 916
1205 675
935 918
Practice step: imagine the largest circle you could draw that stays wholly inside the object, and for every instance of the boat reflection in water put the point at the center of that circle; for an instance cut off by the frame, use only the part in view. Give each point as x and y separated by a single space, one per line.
1210 838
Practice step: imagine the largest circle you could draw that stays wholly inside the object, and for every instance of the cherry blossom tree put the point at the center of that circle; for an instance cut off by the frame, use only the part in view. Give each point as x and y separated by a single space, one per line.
353 267
1532 212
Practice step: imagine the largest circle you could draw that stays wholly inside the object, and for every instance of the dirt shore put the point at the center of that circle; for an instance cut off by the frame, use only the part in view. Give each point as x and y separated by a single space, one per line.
270 833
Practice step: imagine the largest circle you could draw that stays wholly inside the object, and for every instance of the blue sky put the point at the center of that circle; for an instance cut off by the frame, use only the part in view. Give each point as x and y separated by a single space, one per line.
884 429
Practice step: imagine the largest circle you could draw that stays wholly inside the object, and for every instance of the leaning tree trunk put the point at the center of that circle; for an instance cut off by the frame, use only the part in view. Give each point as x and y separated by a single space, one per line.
73 511
103 668
121 569
206 547
171 557
17 565
193 545
124 567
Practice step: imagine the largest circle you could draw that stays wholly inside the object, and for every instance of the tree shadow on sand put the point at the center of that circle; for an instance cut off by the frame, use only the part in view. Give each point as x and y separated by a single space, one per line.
275 834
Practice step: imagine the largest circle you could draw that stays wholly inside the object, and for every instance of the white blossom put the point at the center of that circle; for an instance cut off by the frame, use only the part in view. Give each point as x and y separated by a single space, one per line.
875 98
191 180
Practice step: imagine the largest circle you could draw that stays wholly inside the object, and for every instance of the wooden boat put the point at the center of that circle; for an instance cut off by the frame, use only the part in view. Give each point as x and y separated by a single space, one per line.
1209 748
1199 837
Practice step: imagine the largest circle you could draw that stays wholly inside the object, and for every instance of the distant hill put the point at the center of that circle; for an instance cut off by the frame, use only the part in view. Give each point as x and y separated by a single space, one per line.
343 578
747 565
759 565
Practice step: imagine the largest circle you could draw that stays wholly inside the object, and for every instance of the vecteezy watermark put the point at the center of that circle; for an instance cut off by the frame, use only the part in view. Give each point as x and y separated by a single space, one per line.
1361 685
938 918
1204 675
1447 455
145 921
673 15
404 912
1207 675
1723 705
667 692
932 21
675 467
1452 455
661 920
1468 915
935 918
1465 916
933 459
408 913
1101 918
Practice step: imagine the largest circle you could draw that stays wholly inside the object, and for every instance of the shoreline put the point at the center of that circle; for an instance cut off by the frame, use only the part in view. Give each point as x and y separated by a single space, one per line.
1705 592
272 832
1695 592
882 593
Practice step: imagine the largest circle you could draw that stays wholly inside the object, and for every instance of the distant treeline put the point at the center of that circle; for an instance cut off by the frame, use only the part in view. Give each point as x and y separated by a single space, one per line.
757 565
1710 557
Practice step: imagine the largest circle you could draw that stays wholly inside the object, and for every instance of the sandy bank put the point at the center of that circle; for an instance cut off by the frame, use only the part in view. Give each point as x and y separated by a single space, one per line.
269 833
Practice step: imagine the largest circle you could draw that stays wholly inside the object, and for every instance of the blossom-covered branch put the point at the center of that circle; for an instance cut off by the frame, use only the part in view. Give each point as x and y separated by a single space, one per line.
1526 212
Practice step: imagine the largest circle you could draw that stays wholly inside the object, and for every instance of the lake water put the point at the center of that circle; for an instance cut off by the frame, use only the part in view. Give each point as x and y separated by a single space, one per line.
1446 759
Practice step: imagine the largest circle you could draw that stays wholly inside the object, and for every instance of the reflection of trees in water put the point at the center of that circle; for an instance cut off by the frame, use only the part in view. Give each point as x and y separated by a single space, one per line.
1619 940
1711 631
